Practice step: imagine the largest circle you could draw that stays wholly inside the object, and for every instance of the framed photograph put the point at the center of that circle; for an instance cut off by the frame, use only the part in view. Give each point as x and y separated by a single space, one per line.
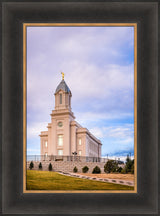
100 61
80 108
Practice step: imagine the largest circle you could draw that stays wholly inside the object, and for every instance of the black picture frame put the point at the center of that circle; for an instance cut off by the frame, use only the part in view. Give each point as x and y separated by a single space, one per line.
145 201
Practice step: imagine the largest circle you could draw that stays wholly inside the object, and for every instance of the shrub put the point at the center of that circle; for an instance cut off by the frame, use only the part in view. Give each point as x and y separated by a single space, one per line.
75 169
96 170
31 165
85 169
110 166
119 169
123 171
50 167
40 166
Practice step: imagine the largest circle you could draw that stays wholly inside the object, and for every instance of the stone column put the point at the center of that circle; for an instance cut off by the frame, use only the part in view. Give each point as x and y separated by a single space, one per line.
73 137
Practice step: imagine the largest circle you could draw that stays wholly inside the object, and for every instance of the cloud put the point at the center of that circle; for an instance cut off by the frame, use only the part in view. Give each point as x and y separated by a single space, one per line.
117 140
108 90
34 129
119 132
84 55
32 150
120 157
90 117
81 43
99 69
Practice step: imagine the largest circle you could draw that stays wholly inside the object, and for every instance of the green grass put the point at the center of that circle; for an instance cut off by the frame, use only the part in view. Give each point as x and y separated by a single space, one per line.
46 180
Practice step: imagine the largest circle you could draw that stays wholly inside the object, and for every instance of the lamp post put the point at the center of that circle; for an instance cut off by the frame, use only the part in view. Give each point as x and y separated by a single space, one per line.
74 153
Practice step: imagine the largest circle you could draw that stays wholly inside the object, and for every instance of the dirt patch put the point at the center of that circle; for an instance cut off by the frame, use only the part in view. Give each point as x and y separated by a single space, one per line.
129 177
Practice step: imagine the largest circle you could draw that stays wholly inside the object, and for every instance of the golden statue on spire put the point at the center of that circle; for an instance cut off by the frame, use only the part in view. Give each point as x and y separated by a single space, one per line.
62 75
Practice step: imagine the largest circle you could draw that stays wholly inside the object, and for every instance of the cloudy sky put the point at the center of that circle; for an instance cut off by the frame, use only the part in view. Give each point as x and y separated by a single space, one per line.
98 63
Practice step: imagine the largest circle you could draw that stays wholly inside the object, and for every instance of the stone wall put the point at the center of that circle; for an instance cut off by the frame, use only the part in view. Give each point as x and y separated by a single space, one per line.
67 166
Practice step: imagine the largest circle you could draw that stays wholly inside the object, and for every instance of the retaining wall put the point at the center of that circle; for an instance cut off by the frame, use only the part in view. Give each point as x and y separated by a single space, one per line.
67 166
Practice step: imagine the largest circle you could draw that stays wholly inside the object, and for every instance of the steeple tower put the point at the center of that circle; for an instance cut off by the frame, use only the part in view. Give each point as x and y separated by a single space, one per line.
62 96
64 135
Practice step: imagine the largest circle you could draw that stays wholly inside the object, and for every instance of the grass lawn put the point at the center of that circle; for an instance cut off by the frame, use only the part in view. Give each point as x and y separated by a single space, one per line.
46 180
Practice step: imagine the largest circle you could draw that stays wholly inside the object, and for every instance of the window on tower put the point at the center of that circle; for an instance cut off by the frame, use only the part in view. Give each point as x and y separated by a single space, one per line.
45 143
60 140
60 98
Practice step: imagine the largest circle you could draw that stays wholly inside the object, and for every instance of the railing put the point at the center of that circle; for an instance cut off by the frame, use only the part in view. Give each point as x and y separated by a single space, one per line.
65 158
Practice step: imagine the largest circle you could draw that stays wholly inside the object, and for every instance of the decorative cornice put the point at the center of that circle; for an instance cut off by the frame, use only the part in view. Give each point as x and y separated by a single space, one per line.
85 130
62 112
44 134
49 125
74 123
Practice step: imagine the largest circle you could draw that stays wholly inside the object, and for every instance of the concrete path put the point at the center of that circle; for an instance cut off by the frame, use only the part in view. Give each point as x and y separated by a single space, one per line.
115 181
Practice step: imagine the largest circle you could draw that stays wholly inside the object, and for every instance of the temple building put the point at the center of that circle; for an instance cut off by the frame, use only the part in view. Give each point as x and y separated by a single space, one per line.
64 135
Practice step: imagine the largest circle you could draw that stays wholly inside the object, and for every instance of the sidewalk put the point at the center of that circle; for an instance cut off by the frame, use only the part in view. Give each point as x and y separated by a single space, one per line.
115 181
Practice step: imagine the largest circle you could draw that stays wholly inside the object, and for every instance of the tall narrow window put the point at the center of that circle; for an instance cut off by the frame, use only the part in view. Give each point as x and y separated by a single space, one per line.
60 98
80 153
60 140
45 143
80 141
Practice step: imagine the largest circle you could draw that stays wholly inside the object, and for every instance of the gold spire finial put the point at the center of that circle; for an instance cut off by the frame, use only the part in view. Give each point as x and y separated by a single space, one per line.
62 75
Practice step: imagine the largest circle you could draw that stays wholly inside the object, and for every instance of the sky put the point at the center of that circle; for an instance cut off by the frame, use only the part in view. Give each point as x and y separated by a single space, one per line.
98 63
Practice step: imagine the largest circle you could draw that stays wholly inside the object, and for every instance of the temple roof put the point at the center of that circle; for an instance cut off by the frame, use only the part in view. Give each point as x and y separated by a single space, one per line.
63 86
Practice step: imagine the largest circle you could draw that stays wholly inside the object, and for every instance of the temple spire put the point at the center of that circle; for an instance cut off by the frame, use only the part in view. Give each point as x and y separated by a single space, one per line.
62 75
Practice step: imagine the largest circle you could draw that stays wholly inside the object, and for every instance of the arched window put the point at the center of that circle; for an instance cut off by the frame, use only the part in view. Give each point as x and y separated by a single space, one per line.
80 141
60 140
60 98
45 143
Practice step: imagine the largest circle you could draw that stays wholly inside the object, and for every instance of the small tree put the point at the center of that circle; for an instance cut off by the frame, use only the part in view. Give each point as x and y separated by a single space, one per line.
75 169
132 169
129 167
96 170
50 167
110 166
85 169
40 166
31 165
